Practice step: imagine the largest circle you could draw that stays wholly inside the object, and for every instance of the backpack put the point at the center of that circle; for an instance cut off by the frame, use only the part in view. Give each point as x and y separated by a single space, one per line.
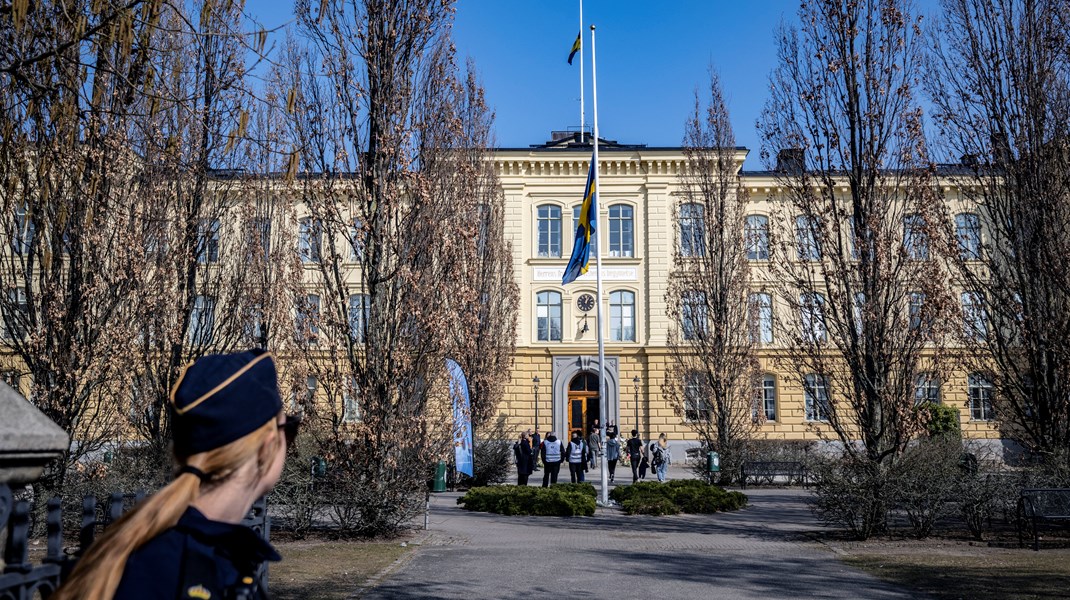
657 456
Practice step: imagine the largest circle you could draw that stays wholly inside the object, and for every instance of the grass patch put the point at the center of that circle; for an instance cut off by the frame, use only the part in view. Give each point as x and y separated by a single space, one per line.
567 500
326 570
682 495
971 571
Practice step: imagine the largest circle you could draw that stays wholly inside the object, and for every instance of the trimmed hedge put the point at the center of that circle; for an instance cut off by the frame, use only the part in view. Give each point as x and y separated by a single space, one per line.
683 495
558 501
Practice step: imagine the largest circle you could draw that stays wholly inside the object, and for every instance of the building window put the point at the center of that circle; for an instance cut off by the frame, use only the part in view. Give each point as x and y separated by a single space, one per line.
807 242
696 400
858 311
22 238
915 238
812 315
927 388
202 321
350 402
756 233
548 316
549 227
262 236
356 241
576 222
310 241
16 315
254 327
761 318
980 390
974 317
308 317
693 314
765 399
815 389
359 311
311 384
621 230
916 311
692 230
208 241
622 316
968 230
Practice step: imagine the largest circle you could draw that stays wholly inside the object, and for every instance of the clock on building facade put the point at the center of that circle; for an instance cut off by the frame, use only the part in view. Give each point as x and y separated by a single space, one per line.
585 302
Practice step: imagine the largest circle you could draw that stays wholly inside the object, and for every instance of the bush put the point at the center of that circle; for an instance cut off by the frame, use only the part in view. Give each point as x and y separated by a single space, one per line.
852 494
649 504
685 495
582 488
556 501
941 419
492 457
925 479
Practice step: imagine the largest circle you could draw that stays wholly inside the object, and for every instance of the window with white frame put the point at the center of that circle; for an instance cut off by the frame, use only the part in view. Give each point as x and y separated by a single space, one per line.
756 237
549 231
812 317
253 329
765 399
968 232
858 311
22 237
622 316
308 317
692 230
310 240
815 391
980 391
761 317
208 241
16 317
621 230
548 316
696 399
915 237
974 316
202 321
155 231
693 314
359 311
927 388
356 241
311 384
261 231
916 311
807 238
351 402
576 223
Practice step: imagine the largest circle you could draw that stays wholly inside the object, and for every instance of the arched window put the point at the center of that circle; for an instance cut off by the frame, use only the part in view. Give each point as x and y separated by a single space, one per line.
621 230
807 240
622 316
548 316
549 231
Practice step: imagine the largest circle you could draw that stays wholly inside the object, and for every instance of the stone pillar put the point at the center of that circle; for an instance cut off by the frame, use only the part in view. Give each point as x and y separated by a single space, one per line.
28 439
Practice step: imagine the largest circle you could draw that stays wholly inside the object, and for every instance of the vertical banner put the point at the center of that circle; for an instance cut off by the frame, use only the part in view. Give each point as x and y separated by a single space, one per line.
462 418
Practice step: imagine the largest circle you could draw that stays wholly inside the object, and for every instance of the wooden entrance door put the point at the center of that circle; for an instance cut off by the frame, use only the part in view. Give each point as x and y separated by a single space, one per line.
583 405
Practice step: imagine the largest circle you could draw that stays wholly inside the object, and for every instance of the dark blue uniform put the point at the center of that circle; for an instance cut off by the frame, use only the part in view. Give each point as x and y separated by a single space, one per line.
195 552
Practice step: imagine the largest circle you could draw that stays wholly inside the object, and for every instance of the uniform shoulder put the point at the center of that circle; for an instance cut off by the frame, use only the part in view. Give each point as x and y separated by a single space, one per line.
152 570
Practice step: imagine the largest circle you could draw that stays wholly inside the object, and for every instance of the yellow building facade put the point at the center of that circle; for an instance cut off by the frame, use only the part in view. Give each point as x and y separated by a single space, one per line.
554 382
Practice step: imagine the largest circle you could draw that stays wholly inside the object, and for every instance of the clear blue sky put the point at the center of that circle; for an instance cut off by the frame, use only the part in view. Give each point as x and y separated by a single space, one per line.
651 58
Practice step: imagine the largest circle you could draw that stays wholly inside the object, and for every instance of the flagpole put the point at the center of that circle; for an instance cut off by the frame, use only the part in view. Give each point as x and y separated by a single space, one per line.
602 404
583 128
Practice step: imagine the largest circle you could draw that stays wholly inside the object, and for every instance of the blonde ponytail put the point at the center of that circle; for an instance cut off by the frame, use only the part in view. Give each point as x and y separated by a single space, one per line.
99 571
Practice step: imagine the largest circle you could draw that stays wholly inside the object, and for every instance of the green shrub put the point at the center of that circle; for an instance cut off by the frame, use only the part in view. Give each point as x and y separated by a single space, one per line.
941 419
583 488
523 500
649 504
684 495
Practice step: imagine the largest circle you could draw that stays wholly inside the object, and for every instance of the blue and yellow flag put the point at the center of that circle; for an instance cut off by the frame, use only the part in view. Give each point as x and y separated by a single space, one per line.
575 48
581 250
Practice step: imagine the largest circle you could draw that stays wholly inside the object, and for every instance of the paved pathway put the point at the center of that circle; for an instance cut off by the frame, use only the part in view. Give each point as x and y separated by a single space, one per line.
757 552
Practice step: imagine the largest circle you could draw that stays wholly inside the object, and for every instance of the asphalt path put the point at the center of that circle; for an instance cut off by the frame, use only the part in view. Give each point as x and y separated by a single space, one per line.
762 551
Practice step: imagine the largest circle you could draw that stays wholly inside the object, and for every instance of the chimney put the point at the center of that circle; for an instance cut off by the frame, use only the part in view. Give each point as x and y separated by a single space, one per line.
791 160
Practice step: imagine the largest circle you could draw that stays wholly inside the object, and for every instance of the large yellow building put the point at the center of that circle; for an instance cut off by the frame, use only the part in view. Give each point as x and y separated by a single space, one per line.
554 380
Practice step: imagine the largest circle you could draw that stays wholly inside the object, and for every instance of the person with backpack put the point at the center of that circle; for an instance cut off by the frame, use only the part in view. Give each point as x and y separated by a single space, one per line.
659 456
612 451
522 454
553 453
536 444
578 454
635 454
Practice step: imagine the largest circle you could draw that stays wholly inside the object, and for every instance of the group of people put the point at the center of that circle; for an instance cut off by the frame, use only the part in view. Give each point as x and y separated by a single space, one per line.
582 454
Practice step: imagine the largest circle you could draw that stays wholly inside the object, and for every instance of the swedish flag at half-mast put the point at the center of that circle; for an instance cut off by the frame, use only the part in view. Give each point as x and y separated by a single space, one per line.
575 47
581 253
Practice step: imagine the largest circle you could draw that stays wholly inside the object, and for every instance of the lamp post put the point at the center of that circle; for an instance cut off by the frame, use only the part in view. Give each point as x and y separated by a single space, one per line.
635 381
535 384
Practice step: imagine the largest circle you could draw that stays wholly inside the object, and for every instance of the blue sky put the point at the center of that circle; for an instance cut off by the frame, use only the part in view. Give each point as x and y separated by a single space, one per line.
651 58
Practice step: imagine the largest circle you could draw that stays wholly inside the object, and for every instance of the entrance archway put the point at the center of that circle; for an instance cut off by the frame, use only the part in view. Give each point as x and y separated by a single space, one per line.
583 403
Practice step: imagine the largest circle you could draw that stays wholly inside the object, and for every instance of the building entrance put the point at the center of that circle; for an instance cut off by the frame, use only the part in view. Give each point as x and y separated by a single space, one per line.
583 403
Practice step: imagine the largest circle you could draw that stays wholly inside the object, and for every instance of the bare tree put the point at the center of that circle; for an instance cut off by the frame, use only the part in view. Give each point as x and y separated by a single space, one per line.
714 368
864 295
999 80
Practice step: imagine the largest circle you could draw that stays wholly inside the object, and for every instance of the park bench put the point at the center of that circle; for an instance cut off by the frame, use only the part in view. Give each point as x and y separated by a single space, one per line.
1038 505
766 472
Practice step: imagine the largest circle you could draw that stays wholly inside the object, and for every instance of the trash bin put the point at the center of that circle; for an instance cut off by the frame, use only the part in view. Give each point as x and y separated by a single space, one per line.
713 462
440 477
319 466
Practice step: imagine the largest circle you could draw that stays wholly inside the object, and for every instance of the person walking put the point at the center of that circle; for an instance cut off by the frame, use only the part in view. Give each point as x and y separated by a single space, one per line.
594 444
553 453
578 455
522 452
536 444
660 457
612 451
229 437
635 454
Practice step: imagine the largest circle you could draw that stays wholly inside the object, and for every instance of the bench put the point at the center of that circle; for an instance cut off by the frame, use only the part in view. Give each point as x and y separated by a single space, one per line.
1037 505
767 472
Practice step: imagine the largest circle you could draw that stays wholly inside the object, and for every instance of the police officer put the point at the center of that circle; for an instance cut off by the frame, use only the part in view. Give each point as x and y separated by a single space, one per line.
187 540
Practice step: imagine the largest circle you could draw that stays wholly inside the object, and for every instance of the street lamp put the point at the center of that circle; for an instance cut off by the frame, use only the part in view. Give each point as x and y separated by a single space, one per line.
535 384
636 381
